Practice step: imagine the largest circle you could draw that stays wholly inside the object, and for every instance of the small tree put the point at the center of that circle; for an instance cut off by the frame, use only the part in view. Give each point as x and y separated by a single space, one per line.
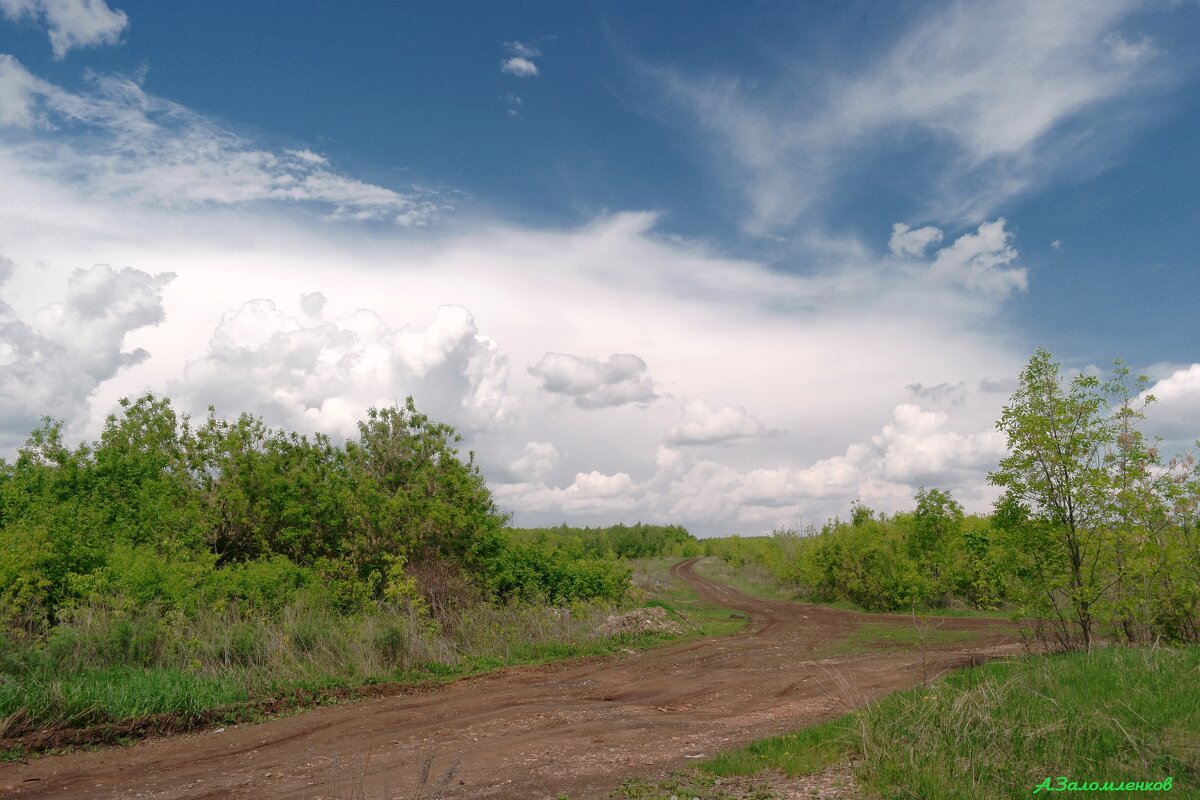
1056 475
935 530
1094 518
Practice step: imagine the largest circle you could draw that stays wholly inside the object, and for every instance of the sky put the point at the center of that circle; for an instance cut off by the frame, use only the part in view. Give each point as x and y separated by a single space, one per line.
732 266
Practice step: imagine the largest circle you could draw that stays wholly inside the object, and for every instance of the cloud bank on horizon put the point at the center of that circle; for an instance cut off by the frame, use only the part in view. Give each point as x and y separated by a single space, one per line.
602 370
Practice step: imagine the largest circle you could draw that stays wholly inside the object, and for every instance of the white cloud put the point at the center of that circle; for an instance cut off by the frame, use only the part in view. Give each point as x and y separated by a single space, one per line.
313 304
17 92
989 88
916 448
590 493
521 67
118 141
979 261
1124 51
619 380
71 23
52 365
538 460
520 60
1176 414
513 103
702 424
315 375
908 242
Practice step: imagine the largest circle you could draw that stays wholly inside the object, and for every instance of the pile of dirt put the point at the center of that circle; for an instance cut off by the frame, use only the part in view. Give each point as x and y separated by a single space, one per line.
654 619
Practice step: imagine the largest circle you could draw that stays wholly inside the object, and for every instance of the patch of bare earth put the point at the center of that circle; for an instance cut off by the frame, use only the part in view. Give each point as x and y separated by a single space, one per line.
579 728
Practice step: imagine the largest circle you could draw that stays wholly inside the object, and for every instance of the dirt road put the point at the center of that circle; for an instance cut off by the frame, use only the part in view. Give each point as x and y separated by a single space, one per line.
579 728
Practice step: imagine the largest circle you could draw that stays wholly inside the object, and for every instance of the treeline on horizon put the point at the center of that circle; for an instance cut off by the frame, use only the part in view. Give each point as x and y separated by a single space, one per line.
639 540
1095 534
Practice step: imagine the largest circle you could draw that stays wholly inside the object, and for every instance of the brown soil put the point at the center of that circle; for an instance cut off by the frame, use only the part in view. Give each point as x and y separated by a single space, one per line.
577 728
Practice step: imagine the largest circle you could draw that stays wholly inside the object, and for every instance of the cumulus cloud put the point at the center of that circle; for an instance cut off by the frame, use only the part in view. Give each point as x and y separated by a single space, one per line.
995 87
521 67
980 261
592 383
315 375
702 424
908 242
538 460
71 23
915 448
590 493
313 304
118 141
1176 414
520 60
52 364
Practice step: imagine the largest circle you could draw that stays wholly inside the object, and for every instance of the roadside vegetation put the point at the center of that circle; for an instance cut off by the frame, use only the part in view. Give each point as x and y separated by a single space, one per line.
1094 538
175 573
1112 715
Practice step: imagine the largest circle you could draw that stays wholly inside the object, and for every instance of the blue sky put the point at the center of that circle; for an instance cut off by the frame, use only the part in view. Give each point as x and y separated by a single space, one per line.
645 255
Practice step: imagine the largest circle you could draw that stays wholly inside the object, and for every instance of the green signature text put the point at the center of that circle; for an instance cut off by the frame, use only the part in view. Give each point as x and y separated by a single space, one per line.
1061 784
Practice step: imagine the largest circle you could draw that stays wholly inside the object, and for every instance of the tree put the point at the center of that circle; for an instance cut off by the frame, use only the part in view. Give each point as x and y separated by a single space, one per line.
1056 478
936 528
1092 507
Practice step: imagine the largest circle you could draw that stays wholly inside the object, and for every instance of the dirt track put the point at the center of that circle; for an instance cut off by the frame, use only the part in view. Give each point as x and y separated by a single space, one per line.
579 728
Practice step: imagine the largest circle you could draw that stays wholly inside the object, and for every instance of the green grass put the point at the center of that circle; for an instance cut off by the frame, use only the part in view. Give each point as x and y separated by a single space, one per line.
751 579
114 694
999 730
803 753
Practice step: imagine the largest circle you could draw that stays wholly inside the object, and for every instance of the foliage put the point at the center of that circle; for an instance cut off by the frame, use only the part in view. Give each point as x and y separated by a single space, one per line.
1090 513
234 513
616 541
1095 534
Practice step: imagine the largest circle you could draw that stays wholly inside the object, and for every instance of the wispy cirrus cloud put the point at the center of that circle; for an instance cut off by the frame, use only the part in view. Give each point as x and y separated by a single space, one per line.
991 88
117 140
